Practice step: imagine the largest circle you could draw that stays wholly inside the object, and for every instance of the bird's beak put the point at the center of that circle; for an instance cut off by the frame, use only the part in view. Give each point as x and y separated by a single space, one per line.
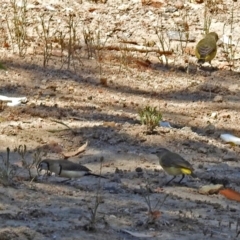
42 165
39 168
159 150
154 151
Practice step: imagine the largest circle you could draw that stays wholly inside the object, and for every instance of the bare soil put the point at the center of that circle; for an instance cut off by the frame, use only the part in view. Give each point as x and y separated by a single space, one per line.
200 104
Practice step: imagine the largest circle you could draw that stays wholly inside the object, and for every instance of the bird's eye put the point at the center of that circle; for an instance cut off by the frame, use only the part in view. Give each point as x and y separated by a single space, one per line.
40 166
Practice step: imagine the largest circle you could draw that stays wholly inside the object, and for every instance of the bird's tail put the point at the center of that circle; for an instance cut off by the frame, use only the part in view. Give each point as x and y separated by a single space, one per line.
95 175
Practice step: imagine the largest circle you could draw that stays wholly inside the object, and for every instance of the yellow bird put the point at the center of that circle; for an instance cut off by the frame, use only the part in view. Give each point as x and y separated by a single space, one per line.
206 48
174 164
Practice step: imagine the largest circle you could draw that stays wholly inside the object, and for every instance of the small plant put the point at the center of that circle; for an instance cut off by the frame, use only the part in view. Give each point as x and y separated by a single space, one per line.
6 171
37 158
153 212
229 50
207 18
211 8
182 29
98 200
164 41
125 56
17 26
22 151
150 117
69 41
99 1
88 36
73 39
43 31
95 43
2 67
230 46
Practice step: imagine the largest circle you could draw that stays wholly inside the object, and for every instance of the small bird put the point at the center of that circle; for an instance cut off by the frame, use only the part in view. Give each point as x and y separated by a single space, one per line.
2 66
206 48
174 164
65 168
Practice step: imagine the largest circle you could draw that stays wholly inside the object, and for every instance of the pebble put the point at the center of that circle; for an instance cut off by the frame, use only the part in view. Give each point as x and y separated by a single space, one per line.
170 9
218 98
138 169
202 150
179 5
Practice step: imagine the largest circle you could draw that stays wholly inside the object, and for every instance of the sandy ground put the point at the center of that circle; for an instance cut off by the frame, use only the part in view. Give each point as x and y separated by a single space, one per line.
103 110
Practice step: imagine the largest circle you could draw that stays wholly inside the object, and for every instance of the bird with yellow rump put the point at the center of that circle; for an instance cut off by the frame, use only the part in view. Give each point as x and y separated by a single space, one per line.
174 164
206 48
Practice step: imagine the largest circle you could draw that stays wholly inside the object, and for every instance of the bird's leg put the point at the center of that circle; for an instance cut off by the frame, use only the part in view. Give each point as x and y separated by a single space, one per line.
45 175
211 65
199 66
170 180
181 178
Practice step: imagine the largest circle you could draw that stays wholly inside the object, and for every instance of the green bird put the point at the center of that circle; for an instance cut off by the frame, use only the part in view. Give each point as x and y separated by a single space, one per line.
2 66
174 164
206 48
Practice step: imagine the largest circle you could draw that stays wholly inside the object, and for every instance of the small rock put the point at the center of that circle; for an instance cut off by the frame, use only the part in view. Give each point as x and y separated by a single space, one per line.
179 5
214 115
123 7
82 221
190 51
90 98
139 223
117 170
164 130
210 189
44 81
116 178
223 166
186 129
230 157
138 170
176 14
219 181
202 150
218 98
112 187
171 9
153 3
180 36
225 115
200 166
210 129
233 88
112 217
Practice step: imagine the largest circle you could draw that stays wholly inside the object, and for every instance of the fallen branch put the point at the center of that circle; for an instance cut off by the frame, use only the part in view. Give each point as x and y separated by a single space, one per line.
76 152
62 123
121 47
129 48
